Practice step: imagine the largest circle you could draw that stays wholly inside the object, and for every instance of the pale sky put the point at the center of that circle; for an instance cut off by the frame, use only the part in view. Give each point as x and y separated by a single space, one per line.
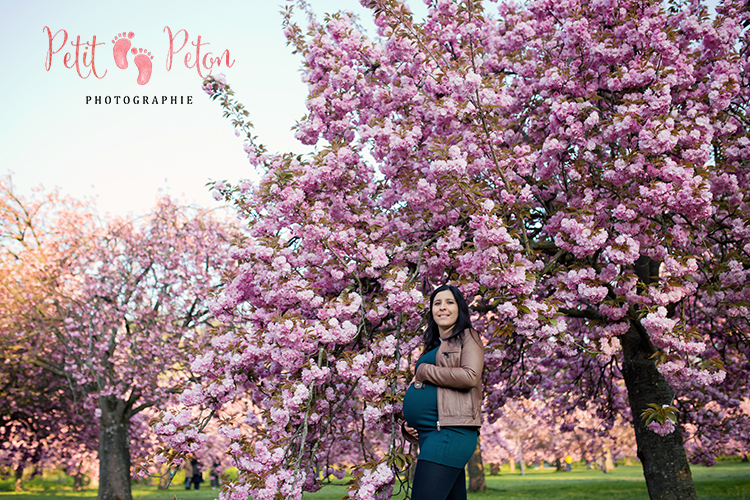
124 154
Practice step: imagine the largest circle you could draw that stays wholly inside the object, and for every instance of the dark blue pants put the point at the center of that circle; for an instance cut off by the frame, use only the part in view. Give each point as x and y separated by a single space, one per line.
438 482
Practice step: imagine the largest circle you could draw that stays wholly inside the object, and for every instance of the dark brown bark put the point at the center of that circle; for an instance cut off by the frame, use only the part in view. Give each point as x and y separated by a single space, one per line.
494 469
665 464
476 471
78 482
114 450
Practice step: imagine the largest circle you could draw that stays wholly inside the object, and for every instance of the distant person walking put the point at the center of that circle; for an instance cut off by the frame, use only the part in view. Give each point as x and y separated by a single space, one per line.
188 472
197 474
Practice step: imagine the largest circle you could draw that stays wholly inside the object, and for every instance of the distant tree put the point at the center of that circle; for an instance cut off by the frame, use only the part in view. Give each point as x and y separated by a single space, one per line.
545 436
37 413
110 309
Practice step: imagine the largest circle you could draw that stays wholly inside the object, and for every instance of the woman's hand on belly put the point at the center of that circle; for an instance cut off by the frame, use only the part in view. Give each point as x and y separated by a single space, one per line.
411 434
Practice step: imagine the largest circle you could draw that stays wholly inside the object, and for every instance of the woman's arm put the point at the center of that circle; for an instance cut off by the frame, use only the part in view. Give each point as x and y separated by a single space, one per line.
466 376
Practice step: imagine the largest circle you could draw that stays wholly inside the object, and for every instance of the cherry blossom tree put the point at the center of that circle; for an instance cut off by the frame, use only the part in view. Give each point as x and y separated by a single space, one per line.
112 307
43 422
534 431
40 425
577 167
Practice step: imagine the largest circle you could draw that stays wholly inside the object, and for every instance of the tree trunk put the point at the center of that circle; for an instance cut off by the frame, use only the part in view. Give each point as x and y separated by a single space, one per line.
114 450
412 471
494 469
165 477
609 464
558 465
665 464
78 482
520 456
512 465
19 478
476 471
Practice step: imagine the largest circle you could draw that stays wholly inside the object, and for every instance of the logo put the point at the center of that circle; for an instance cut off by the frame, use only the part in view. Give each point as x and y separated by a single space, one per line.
142 57
82 56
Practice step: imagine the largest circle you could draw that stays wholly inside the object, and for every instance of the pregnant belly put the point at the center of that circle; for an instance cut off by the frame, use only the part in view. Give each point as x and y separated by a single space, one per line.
420 407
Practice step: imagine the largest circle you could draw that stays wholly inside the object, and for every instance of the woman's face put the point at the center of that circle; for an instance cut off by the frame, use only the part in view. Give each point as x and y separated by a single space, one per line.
444 311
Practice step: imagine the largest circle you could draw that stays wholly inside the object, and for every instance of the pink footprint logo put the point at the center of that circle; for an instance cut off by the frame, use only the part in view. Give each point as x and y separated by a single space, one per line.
120 50
143 63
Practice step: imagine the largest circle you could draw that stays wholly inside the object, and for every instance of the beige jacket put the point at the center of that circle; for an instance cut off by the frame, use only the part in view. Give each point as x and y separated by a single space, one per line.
457 373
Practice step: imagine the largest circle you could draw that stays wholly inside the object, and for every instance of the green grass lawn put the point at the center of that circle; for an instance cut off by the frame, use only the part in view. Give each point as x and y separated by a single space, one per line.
721 482
728 480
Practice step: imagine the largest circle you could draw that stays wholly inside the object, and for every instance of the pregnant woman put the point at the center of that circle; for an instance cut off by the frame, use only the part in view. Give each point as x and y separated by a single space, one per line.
443 404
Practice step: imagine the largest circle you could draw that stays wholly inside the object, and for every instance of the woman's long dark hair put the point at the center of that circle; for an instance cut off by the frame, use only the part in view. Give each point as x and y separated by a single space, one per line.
432 333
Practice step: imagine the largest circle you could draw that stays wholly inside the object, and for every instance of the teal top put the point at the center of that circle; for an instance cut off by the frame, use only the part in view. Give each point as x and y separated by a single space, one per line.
451 446
420 405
